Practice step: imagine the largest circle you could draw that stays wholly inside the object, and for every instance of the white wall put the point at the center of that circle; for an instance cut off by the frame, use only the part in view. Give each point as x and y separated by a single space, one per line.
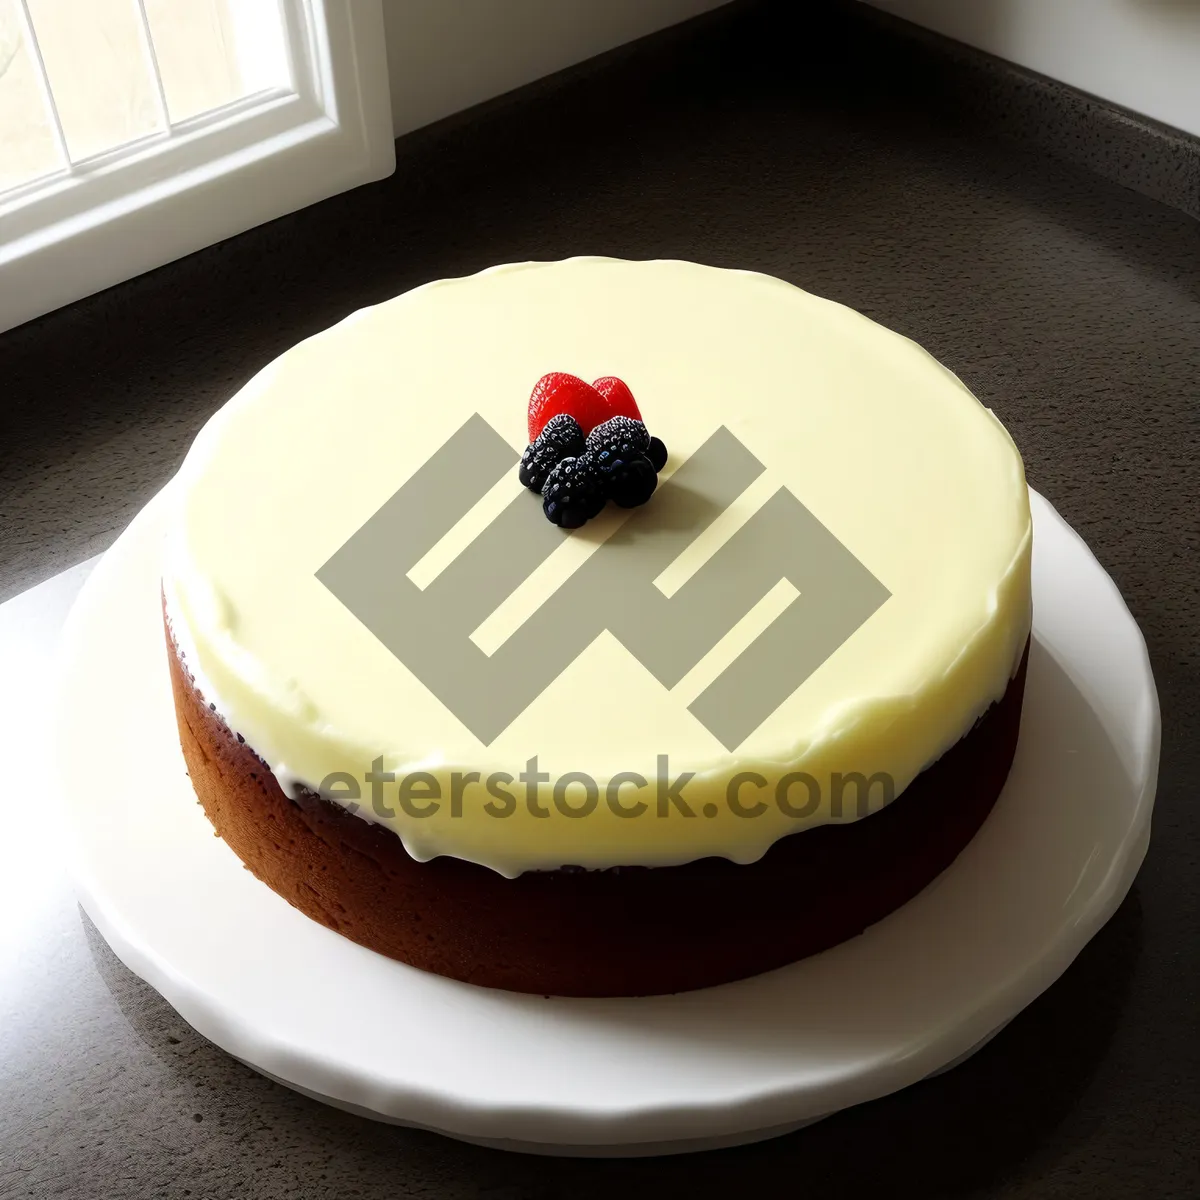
445 55
1142 54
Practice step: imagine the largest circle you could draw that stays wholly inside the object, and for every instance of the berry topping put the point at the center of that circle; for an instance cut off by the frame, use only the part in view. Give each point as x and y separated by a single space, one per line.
560 438
618 397
559 392
588 445
572 493
630 481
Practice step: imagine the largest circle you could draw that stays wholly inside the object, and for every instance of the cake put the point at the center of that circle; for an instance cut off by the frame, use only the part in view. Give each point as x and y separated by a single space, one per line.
684 743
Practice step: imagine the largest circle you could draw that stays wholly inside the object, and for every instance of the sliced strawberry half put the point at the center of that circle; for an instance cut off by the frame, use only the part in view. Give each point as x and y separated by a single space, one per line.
618 397
559 392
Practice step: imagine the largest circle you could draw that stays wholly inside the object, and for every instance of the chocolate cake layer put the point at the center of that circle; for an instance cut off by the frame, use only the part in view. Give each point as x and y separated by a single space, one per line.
622 932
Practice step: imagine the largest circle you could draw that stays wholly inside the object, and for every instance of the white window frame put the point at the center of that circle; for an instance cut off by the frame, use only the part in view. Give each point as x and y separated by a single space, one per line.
115 215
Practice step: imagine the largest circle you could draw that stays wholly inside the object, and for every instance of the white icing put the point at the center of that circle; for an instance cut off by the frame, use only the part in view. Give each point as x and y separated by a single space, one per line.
885 446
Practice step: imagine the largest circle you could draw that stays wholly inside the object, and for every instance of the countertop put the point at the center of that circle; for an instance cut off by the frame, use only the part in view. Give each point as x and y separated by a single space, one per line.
1069 304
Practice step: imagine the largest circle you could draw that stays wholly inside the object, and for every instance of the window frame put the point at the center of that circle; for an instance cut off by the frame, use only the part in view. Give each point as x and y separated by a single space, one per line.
115 215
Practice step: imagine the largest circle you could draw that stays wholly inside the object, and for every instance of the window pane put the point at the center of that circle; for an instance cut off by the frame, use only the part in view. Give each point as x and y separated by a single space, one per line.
27 146
211 52
98 71
194 43
261 48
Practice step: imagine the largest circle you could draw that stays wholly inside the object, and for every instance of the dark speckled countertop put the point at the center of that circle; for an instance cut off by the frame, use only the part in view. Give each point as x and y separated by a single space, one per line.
976 210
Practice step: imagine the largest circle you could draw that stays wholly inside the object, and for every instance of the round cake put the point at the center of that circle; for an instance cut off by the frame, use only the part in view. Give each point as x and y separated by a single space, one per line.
732 714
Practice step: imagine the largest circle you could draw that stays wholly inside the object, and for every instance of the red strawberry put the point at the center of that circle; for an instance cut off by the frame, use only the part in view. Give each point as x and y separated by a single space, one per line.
559 392
618 396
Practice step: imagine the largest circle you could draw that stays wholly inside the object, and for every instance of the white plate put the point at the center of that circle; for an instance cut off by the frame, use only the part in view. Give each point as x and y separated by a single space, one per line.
914 994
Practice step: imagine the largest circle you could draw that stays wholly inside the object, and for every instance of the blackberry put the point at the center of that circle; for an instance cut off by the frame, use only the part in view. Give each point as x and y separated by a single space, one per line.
619 447
629 481
572 493
536 463
618 437
563 430
560 438
656 452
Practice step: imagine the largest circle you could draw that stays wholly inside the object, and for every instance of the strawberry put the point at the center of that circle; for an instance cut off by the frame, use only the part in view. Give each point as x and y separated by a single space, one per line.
618 397
559 392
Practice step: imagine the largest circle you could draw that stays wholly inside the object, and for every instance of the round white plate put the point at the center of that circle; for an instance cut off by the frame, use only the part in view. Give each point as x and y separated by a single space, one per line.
914 994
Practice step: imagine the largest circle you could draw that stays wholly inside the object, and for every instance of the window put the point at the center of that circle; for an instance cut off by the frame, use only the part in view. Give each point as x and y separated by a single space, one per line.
136 131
